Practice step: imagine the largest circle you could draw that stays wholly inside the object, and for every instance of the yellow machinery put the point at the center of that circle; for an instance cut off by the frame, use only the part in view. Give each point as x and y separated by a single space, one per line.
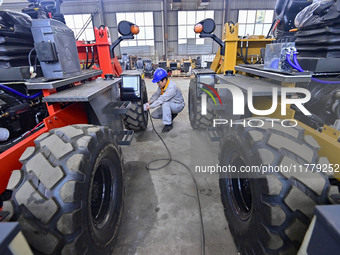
234 48
327 137
179 68
173 64
268 211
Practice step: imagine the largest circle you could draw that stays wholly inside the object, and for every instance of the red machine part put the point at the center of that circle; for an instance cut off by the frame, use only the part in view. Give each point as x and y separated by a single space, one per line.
72 114
9 159
101 52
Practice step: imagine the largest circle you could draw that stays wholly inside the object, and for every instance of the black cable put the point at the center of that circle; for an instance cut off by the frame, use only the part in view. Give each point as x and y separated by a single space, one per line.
243 59
87 57
92 61
166 147
246 62
258 61
271 28
192 176
238 54
247 52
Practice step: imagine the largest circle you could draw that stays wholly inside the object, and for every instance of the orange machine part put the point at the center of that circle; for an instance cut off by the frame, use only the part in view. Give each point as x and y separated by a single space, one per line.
198 28
134 29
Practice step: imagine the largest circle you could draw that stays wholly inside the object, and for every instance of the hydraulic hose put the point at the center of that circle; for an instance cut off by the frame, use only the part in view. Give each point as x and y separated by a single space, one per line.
325 82
18 93
243 58
168 161
291 63
92 61
87 58
297 66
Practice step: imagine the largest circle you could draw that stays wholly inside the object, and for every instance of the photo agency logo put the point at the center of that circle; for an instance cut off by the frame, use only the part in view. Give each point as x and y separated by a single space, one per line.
204 97
287 95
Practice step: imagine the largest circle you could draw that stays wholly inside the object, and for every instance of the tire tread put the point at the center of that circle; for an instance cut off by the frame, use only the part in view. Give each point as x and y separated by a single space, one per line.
294 196
52 217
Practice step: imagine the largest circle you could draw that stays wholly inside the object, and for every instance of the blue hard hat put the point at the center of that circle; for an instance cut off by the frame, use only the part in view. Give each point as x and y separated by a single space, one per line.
159 74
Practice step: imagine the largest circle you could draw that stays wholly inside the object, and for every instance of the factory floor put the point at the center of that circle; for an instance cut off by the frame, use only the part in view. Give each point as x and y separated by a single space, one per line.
160 212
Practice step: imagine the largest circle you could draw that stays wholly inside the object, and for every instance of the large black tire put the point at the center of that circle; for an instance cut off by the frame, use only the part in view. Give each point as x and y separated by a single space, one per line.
136 118
271 213
68 197
197 120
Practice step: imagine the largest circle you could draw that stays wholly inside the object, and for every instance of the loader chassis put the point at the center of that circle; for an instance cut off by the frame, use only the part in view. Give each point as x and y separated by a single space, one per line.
276 205
63 128
327 136
270 201
95 101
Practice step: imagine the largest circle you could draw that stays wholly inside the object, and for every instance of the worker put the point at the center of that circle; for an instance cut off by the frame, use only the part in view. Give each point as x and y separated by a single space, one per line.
168 98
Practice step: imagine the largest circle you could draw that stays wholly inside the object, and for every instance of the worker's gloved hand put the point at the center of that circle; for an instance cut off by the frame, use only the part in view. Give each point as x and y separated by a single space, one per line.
146 106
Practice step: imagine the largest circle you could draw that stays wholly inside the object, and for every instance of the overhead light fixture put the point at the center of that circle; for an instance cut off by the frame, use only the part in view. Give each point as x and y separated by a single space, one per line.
202 4
176 4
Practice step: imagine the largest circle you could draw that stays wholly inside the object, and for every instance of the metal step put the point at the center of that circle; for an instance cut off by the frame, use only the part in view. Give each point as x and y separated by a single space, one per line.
213 135
120 107
127 137
282 77
41 83
82 93
3 215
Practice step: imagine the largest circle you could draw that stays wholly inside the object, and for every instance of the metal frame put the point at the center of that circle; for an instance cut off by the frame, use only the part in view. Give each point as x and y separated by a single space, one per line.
229 60
102 50
99 102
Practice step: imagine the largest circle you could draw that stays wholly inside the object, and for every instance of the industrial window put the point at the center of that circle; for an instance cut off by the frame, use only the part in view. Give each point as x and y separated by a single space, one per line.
76 23
254 22
145 22
186 23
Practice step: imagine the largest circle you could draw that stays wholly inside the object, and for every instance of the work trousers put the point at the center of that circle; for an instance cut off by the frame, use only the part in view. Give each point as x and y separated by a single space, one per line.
166 110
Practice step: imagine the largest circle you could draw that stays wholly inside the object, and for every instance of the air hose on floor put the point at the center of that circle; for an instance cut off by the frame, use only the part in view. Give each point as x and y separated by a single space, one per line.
168 161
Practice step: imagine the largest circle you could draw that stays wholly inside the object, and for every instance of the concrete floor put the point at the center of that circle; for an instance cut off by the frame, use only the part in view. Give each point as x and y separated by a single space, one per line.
160 211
